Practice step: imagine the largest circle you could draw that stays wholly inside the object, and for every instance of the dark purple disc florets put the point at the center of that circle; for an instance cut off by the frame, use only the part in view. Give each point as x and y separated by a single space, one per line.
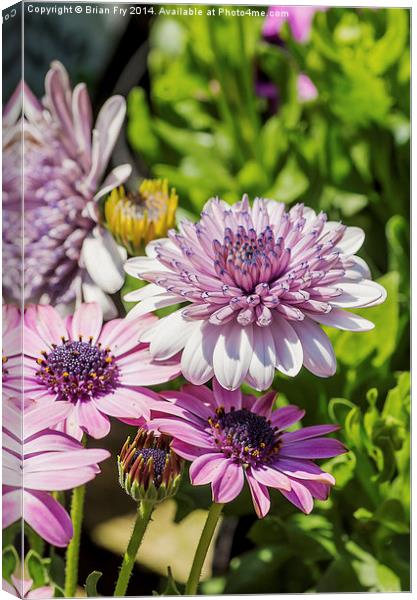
78 370
244 435
159 456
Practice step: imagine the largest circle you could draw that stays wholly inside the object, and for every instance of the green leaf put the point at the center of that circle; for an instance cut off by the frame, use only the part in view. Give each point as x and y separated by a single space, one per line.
139 126
91 584
10 560
36 569
290 183
171 588
389 49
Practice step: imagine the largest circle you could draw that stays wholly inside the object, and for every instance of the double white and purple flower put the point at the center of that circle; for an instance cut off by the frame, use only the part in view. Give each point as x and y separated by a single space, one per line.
41 461
258 282
68 255
230 437
96 370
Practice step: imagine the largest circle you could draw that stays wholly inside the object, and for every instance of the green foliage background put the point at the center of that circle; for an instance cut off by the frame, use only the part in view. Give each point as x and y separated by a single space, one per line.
347 153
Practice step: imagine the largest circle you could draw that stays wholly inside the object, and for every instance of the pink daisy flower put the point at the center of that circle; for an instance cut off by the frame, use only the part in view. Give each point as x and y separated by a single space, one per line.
258 281
98 370
41 461
22 588
229 437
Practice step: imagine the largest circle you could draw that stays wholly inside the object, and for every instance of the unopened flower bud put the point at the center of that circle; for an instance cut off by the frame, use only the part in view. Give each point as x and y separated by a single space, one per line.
148 469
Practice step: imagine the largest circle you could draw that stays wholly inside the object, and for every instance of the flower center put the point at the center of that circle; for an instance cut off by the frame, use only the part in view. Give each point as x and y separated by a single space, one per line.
159 456
136 218
248 258
77 370
241 434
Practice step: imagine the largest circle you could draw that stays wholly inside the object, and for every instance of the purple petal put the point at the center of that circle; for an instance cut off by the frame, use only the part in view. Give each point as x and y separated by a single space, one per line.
47 517
91 420
286 415
303 469
315 448
204 468
271 477
87 322
300 496
226 398
308 432
260 495
228 482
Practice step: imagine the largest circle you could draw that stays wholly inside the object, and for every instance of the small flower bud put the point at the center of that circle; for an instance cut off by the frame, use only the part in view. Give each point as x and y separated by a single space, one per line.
148 469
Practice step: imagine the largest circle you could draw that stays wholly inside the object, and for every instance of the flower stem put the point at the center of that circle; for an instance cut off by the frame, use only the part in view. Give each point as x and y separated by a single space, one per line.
73 550
143 517
202 548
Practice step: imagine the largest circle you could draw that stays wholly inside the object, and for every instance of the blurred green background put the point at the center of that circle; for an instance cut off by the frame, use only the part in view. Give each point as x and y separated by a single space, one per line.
198 115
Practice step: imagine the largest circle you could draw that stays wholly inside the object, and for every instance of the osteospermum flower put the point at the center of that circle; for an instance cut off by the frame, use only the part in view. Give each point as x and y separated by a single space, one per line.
257 281
230 437
41 461
68 255
96 369
135 219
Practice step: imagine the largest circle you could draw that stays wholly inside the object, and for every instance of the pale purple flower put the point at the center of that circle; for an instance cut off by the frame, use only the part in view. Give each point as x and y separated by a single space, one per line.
258 282
22 588
230 437
68 255
97 370
299 18
38 462
306 90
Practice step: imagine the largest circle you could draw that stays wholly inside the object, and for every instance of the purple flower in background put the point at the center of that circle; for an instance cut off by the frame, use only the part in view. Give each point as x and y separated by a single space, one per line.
96 369
229 437
299 18
41 461
306 90
258 281
68 256
22 588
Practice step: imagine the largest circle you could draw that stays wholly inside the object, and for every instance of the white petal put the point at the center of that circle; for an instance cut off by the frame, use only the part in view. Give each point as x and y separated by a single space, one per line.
113 179
92 293
171 335
139 265
153 303
232 354
145 292
352 240
197 356
342 319
102 260
262 366
356 295
318 352
288 348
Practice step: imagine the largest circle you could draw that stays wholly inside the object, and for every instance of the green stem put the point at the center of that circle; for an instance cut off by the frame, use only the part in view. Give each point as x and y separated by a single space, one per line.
202 548
143 517
73 550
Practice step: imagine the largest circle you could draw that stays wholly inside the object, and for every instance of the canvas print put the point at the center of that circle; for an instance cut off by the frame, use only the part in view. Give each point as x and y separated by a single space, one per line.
206 259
